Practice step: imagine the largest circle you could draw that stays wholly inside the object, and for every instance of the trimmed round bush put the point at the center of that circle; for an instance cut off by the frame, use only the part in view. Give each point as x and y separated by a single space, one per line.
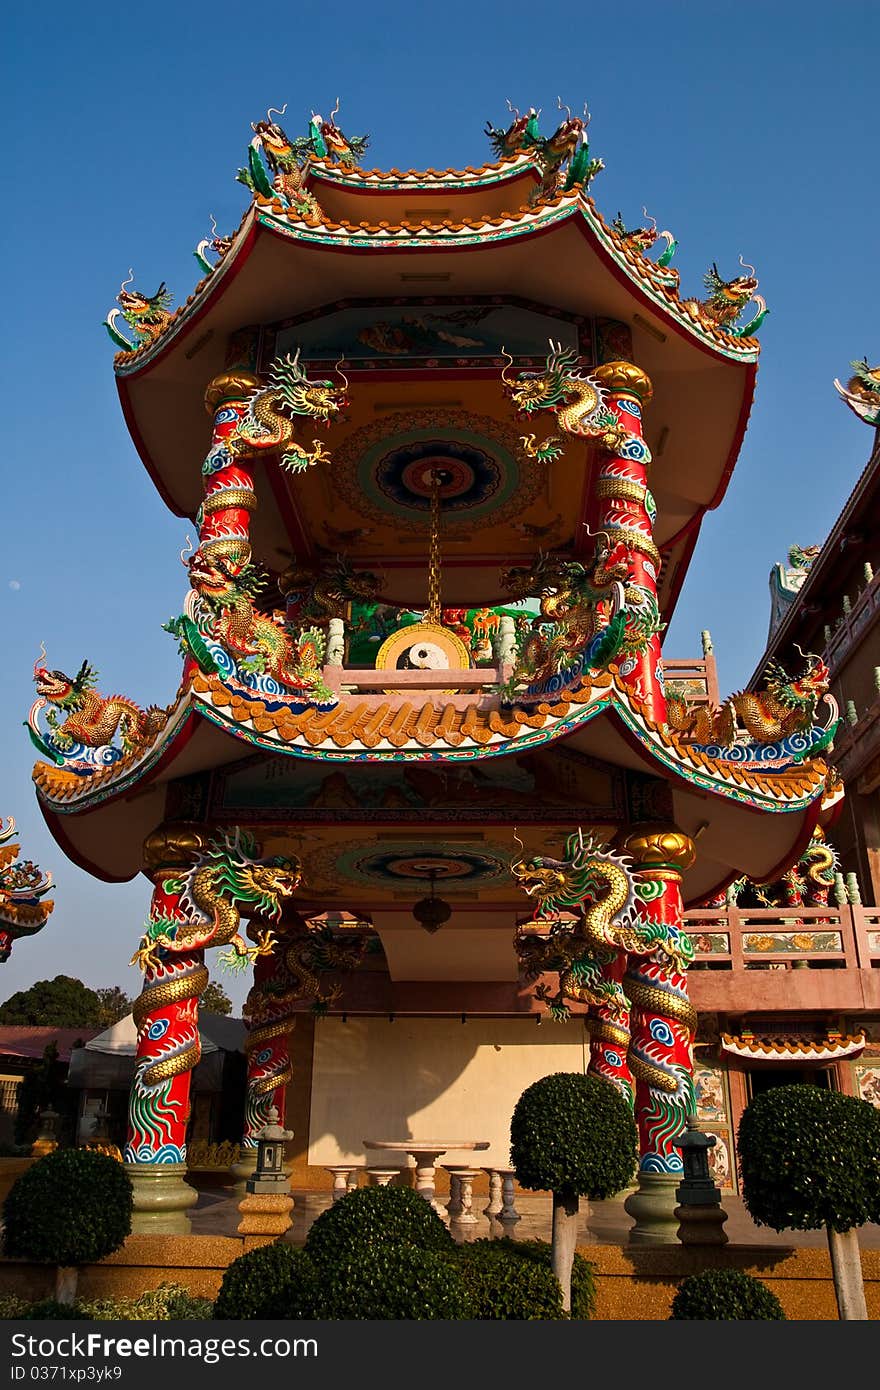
72 1207
272 1281
502 1283
725 1295
573 1133
810 1158
373 1216
388 1281
583 1281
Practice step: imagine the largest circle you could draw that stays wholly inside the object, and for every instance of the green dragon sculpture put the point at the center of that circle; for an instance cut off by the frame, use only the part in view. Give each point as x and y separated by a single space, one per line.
261 643
862 391
226 873
577 399
147 315
321 594
273 169
579 601
596 888
727 301
563 158
268 423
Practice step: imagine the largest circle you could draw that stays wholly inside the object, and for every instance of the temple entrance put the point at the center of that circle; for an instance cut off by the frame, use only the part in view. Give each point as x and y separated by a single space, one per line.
767 1077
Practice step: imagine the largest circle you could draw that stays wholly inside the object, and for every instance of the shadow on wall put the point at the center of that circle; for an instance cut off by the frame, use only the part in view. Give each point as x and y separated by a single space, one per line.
429 1079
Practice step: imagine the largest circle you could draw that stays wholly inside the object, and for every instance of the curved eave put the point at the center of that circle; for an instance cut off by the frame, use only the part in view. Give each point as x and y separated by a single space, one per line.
355 180
210 723
704 380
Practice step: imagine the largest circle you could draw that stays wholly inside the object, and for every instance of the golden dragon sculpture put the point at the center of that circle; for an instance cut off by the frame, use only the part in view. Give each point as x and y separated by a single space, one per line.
785 707
272 412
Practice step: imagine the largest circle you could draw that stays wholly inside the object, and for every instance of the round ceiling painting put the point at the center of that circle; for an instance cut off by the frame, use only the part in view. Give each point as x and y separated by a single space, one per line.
384 470
412 864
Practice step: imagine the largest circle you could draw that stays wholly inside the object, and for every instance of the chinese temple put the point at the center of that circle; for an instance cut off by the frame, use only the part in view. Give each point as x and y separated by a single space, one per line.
445 440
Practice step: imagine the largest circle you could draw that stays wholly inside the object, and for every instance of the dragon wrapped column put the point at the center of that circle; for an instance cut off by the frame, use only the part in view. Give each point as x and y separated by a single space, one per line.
229 497
663 1023
622 507
168 1047
610 1037
270 1019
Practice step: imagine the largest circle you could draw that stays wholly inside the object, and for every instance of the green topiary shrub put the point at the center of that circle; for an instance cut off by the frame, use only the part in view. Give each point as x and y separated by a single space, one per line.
583 1279
385 1280
71 1208
574 1135
504 1284
52 1308
810 1158
725 1295
571 1132
272 1281
372 1216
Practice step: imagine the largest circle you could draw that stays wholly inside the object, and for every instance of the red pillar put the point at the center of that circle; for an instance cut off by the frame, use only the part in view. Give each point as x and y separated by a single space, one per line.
623 507
229 497
663 1021
167 1018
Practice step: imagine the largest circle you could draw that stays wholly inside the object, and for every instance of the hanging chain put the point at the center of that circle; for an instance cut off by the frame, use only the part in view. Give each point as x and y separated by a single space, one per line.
434 611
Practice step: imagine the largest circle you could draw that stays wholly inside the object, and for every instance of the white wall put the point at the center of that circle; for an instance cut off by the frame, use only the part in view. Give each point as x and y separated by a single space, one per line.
429 1079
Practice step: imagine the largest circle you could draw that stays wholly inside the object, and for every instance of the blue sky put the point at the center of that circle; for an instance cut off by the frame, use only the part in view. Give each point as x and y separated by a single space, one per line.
746 128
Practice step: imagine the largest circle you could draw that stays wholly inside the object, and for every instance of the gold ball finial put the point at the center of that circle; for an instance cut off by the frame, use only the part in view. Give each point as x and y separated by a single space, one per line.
658 846
230 386
175 845
625 378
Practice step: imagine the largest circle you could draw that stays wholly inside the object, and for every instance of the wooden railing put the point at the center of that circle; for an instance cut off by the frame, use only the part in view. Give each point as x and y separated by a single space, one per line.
852 626
739 938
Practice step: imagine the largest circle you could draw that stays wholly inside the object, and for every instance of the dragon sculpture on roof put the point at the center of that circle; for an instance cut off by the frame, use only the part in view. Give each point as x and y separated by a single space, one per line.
862 391
784 708
92 720
24 909
645 238
147 315
563 158
221 617
273 169
218 244
726 302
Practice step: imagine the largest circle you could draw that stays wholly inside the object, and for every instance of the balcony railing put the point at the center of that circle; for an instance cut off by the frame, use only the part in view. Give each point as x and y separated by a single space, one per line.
851 627
737 938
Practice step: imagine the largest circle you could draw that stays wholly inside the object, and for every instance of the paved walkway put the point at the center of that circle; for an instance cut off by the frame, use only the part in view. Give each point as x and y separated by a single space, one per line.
601 1223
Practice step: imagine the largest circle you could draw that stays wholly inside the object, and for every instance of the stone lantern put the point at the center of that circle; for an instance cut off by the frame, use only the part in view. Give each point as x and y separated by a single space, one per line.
267 1205
699 1211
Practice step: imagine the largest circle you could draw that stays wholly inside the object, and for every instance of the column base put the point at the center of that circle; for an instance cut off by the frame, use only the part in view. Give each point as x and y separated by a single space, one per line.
652 1207
701 1225
265 1214
161 1199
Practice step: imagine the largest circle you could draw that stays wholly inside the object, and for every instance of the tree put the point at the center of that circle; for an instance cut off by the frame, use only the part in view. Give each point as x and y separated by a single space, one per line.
811 1158
60 1003
215 1000
575 1136
115 1004
71 1208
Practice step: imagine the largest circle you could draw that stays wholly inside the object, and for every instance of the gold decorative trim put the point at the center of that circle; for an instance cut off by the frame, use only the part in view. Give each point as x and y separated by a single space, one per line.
621 487
658 847
230 386
241 497
625 379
